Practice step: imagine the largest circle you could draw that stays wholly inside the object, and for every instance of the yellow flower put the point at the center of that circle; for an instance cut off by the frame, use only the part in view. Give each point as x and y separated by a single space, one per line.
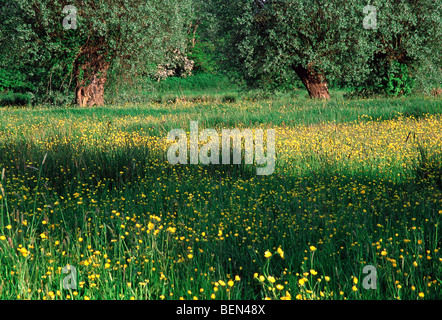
261 278
302 281
80 239
190 256
281 253
230 283
222 283
24 252
271 279
354 288
43 236
312 248
298 296
171 230
2 238
279 286
237 278
327 278
267 254
384 252
355 280
150 225
421 294
313 272
8 227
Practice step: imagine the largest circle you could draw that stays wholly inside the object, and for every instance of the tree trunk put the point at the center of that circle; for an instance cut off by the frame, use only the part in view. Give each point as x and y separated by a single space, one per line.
314 82
91 72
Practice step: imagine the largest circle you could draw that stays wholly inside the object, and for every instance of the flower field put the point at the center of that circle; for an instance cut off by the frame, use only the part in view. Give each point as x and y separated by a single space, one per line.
356 183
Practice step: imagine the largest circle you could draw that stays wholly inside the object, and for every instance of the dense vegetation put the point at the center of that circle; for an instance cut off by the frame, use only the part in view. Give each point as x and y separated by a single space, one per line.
85 181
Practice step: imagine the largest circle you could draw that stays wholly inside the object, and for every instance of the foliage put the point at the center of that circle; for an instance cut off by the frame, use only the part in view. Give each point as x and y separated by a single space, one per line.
265 40
132 35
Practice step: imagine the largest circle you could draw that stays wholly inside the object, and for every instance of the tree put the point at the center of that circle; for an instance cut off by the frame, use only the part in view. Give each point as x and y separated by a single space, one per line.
81 40
326 40
408 40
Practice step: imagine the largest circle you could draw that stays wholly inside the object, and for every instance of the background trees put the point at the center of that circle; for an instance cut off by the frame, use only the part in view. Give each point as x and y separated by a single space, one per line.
263 43
321 40
131 34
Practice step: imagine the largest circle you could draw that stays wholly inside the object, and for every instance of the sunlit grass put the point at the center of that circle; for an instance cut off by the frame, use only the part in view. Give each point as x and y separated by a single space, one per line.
92 188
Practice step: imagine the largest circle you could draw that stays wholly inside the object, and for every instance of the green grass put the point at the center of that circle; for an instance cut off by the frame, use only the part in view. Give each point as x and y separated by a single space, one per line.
91 187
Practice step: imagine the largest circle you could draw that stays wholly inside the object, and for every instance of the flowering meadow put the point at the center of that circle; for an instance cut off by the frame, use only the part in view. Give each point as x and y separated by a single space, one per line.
356 183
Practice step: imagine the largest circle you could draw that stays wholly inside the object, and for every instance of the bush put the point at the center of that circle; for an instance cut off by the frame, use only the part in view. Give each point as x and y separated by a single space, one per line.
12 80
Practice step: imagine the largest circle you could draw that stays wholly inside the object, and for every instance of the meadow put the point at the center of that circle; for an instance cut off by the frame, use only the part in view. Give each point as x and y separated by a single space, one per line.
357 182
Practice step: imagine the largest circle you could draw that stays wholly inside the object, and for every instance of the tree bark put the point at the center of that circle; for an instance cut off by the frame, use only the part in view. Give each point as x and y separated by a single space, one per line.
91 72
314 82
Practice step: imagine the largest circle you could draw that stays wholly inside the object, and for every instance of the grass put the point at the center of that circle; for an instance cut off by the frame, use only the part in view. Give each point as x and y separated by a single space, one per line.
356 184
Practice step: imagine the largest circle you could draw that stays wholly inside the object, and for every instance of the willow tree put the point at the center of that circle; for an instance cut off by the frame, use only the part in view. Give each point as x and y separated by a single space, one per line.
327 40
84 38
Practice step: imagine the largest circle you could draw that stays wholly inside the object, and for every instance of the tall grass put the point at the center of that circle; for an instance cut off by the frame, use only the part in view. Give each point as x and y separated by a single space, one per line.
92 188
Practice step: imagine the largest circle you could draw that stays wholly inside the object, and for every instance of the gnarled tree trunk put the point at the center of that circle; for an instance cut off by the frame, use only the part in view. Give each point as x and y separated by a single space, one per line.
314 82
91 72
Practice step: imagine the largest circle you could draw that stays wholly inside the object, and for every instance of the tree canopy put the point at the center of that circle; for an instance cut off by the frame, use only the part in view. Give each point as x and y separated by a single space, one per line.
72 45
61 42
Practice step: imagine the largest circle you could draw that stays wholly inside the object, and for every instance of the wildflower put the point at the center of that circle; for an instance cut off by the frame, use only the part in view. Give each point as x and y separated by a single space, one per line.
281 253
222 283
271 279
24 252
279 286
8 227
421 295
312 248
230 283
313 272
3 238
171 230
354 288
267 254
327 278
384 252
